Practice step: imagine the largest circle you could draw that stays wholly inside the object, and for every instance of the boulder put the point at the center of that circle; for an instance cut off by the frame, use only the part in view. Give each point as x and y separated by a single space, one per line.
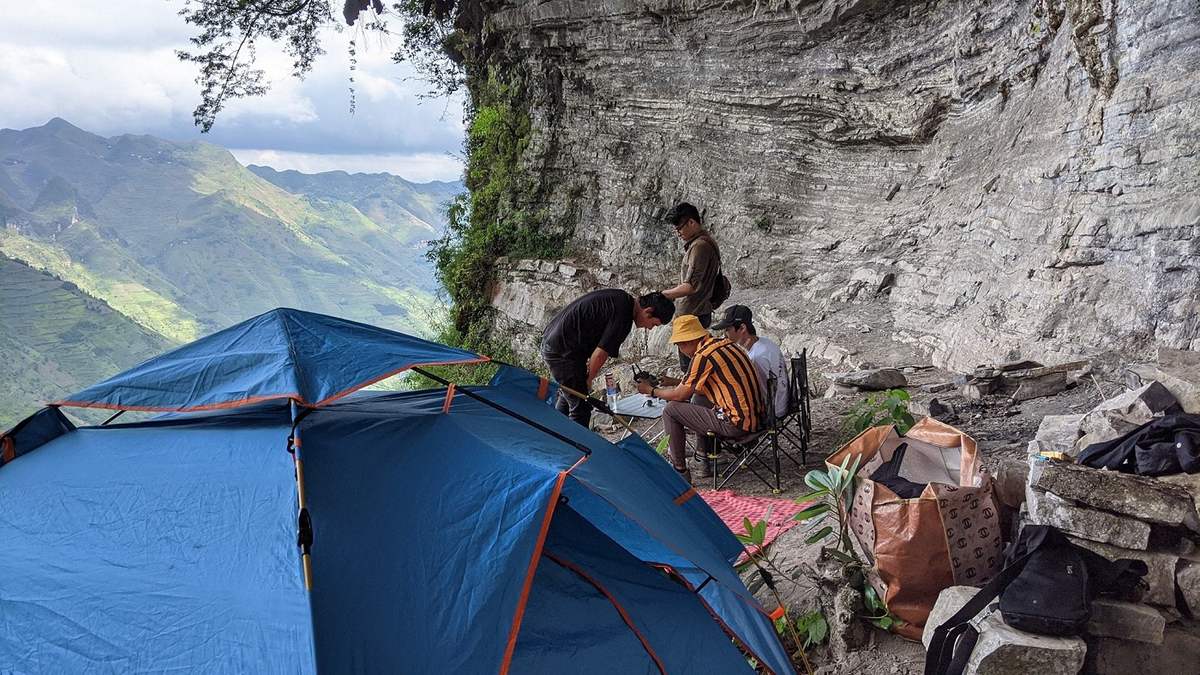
1126 620
1047 509
1041 385
875 379
1190 482
1147 499
1187 578
1009 477
1177 370
1160 575
1058 433
1179 653
1119 415
1003 650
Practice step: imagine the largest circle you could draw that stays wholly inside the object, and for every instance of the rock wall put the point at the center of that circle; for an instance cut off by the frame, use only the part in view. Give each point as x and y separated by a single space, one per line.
966 181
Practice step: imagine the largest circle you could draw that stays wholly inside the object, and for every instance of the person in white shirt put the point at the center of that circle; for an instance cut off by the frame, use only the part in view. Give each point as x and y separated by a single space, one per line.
739 326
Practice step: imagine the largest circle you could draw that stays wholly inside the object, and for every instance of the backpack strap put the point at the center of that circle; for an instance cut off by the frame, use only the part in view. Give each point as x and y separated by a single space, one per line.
952 641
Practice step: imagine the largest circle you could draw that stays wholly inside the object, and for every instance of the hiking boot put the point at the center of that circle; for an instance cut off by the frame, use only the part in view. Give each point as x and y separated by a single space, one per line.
685 473
703 466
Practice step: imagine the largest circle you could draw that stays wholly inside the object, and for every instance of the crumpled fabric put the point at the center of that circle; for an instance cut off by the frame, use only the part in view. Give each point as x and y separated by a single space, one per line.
1160 447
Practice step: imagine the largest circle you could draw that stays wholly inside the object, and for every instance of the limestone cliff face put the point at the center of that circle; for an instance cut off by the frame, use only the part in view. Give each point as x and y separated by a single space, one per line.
971 180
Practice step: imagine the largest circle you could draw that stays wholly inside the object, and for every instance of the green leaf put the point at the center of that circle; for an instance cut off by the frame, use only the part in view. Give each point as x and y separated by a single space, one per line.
819 535
817 631
872 598
839 556
817 480
811 496
812 512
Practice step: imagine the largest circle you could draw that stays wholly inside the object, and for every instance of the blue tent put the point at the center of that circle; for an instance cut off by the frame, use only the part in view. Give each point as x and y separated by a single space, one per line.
466 530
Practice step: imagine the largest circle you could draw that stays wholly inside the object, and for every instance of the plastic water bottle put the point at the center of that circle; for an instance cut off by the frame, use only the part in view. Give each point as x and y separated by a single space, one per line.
610 390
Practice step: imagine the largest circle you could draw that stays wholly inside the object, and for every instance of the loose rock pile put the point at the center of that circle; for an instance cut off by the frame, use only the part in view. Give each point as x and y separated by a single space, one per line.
1116 515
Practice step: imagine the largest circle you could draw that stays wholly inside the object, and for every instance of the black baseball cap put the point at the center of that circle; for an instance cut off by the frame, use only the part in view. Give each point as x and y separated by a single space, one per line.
734 314
681 212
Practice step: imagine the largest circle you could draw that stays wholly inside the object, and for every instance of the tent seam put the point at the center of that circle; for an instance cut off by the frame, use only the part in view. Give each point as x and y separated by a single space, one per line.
620 610
519 614
291 344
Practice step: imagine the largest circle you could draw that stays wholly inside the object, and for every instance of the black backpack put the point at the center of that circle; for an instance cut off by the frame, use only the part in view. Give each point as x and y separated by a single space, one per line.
1046 588
721 290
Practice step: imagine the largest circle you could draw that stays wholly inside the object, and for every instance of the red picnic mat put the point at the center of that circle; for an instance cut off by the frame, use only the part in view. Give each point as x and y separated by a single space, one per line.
734 509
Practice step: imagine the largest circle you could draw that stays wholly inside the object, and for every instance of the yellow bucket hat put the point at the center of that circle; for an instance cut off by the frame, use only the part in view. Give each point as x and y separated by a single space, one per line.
686 328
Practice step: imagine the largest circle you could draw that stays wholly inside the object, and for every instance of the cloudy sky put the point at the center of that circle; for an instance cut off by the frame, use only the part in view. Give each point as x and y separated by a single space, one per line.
108 66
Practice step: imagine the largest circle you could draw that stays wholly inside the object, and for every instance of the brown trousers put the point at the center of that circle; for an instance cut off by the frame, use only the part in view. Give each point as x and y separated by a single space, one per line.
680 417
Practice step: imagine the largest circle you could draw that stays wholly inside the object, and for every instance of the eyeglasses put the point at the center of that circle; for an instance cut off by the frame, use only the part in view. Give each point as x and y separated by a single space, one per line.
680 225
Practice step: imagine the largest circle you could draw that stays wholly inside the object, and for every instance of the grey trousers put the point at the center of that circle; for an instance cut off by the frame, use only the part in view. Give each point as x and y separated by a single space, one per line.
679 417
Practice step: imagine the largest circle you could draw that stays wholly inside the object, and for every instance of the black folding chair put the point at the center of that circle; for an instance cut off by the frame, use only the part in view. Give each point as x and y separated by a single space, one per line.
796 425
759 451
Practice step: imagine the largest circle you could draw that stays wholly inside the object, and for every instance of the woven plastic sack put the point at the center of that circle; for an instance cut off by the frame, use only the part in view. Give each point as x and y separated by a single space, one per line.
948 536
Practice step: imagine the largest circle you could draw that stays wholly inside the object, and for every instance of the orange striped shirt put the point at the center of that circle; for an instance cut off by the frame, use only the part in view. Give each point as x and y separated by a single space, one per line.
723 373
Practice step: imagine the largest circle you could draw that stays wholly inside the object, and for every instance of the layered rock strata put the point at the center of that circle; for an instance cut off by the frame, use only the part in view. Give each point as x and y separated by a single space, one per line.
976 180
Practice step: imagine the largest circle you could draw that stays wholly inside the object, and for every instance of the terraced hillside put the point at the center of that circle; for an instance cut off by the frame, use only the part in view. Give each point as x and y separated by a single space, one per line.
413 209
183 240
57 339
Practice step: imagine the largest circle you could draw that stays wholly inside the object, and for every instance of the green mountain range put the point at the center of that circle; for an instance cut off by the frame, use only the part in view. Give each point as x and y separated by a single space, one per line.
177 240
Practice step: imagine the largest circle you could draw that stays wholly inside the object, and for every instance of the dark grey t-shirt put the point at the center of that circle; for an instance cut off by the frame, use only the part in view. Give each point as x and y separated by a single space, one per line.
599 319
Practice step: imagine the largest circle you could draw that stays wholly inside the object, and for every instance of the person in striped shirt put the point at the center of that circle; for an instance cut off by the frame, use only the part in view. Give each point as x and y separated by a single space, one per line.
722 373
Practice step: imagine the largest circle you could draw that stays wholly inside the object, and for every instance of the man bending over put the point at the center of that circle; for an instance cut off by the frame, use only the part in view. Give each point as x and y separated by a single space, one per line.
723 374
588 332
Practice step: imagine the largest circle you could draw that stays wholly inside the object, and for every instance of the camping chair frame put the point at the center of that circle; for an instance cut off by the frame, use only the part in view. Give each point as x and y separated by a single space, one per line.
796 424
759 451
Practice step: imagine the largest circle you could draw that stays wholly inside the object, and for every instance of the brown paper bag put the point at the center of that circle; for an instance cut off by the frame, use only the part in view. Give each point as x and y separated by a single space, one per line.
948 536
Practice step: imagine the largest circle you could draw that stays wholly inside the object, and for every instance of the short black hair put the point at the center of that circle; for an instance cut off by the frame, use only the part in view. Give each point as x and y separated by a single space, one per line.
660 307
681 212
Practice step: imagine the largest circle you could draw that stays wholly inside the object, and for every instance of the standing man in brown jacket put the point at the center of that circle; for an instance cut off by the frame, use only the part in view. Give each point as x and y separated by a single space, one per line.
700 269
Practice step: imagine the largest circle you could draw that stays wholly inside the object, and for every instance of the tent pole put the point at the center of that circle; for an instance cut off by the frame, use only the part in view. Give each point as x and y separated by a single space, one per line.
602 408
304 536
470 394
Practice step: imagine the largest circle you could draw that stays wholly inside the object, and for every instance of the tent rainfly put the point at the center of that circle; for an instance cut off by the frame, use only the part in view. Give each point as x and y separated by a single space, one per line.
275 525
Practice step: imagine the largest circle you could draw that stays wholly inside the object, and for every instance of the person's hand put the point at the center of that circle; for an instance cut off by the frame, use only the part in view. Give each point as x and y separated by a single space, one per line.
645 387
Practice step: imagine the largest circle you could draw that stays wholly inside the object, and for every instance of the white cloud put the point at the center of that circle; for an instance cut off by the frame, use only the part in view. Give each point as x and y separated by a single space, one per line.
108 66
418 168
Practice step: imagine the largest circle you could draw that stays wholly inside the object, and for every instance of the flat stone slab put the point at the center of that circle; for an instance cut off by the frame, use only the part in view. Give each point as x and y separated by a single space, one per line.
1179 372
1127 621
1058 433
877 379
1187 578
1003 650
1121 414
1139 497
1178 653
1048 509
1190 482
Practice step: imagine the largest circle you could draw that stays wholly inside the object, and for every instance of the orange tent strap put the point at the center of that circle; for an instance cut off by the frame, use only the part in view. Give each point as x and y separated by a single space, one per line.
449 398
543 388
683 498
9 452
